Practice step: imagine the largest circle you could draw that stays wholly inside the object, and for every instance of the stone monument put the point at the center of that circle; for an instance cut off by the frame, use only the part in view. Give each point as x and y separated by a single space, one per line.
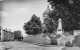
59 29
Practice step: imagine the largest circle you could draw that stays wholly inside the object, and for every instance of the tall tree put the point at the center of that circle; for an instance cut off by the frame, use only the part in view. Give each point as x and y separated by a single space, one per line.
33 26
68 11
51 25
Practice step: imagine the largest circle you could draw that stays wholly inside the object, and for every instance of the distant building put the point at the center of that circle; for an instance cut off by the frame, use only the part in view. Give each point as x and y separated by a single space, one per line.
1 34
6 35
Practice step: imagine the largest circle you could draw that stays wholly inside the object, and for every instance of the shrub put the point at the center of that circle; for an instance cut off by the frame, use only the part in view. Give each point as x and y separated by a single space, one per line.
68 44
38 39
76 41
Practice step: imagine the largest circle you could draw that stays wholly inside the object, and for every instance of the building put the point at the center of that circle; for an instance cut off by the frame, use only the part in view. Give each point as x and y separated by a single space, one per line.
6 35
1 34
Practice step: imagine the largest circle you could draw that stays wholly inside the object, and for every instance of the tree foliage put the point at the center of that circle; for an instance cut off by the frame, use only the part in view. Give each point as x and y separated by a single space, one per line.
68 11
33 26
18 35
50 25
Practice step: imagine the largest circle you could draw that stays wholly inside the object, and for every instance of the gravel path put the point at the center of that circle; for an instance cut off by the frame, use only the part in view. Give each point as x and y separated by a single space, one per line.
25 46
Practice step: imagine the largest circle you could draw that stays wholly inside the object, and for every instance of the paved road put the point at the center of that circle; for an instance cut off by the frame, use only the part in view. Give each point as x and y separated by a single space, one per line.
25 46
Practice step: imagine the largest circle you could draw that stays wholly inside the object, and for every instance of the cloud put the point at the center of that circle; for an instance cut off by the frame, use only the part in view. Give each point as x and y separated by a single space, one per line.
21 0
22 9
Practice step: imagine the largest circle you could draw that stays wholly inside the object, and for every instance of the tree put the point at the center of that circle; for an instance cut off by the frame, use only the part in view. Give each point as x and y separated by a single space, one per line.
33 26
18 35
68 44
68 11
50 24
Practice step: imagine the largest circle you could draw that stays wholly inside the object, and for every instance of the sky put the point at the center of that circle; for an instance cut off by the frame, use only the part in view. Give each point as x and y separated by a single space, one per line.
17 12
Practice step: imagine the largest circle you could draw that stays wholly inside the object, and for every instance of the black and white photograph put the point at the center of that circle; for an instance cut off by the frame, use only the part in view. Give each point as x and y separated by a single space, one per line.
39 24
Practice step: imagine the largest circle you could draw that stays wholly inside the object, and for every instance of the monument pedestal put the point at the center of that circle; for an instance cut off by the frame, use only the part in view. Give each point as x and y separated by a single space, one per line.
60 31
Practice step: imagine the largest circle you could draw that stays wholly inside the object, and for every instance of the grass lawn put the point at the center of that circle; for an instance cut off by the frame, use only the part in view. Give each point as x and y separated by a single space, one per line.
37 39
15 45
